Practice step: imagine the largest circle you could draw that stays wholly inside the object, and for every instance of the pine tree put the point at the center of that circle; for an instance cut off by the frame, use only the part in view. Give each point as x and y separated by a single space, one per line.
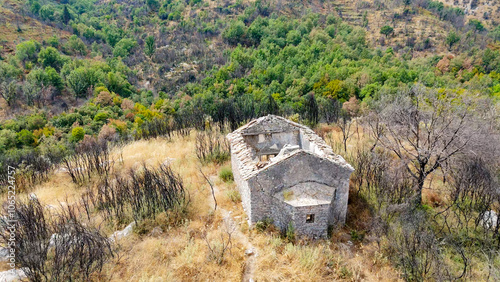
312 109
149 48
66 16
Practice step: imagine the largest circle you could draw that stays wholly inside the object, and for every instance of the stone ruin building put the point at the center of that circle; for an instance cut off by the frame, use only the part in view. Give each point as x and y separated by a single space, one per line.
287 173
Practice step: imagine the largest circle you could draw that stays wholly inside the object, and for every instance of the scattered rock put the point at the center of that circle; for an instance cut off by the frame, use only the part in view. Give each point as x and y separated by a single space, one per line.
157 231
490 219
345 250
249 252
168 161
12 275
122 233
4 254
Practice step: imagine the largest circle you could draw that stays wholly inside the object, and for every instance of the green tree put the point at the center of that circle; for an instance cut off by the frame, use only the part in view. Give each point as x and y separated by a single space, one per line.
102 116
386 30
26 137
35 122
75 46
27 51
77 134
50 57
293 37
66 16
9 91
149 48
54 78
81 79
47 12
115 82
235 32
8 139
270 106
452 38
35 7
311 109
53 41
476 25
153 5
113 35
495 33
123 47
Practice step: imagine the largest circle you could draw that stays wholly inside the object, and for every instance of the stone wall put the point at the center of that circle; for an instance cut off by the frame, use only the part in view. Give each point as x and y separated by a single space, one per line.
314 166
298 168
316 229
272 141
339 203
242 185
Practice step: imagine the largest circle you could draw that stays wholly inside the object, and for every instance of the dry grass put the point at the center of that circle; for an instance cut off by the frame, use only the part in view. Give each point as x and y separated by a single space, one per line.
180 253
11 17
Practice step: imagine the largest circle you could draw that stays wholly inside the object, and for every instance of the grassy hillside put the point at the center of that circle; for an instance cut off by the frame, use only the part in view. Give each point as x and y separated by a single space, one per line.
181 251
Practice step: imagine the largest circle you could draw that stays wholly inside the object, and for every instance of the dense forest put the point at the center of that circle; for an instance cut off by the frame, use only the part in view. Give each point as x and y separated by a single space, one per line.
421 78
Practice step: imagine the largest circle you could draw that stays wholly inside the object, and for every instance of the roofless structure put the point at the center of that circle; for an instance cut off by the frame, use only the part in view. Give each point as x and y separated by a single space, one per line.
287 173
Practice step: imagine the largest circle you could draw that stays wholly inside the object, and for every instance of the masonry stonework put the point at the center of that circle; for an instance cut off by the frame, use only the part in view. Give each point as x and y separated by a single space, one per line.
287 173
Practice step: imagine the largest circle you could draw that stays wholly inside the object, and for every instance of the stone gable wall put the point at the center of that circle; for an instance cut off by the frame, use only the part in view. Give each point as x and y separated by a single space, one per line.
299 168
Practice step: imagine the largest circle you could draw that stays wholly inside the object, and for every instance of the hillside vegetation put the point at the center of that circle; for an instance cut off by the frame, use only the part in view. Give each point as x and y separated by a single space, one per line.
115 112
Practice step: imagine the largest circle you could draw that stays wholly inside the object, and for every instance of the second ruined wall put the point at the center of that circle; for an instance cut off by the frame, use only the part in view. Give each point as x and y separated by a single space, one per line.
242 185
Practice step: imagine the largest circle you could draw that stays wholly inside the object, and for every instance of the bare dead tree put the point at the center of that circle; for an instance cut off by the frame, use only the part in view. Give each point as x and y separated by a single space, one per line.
218 248
425 130
345 123
55 247
375 128
211 187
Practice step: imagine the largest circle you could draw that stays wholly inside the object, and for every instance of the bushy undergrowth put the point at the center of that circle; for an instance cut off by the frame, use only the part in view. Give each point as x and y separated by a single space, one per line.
419 238
55 246
91 156
142 194
226 174
212 146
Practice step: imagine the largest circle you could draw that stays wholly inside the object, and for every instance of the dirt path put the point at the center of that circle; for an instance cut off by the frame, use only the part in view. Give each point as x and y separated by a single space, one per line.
250 251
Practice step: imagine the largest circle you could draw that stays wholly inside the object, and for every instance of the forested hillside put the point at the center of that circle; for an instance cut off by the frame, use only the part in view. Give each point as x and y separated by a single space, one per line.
406 90
249 55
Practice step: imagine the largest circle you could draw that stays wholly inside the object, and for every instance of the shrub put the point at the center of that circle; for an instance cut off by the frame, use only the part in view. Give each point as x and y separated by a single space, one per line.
290 232
123 47
57 247
146 193
263 225
91 156
127 104
107 133
226 174
77 134
234 195
386 30
8 139
36 122
50 57
235 32
211 146
104 98
102 116
26 137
